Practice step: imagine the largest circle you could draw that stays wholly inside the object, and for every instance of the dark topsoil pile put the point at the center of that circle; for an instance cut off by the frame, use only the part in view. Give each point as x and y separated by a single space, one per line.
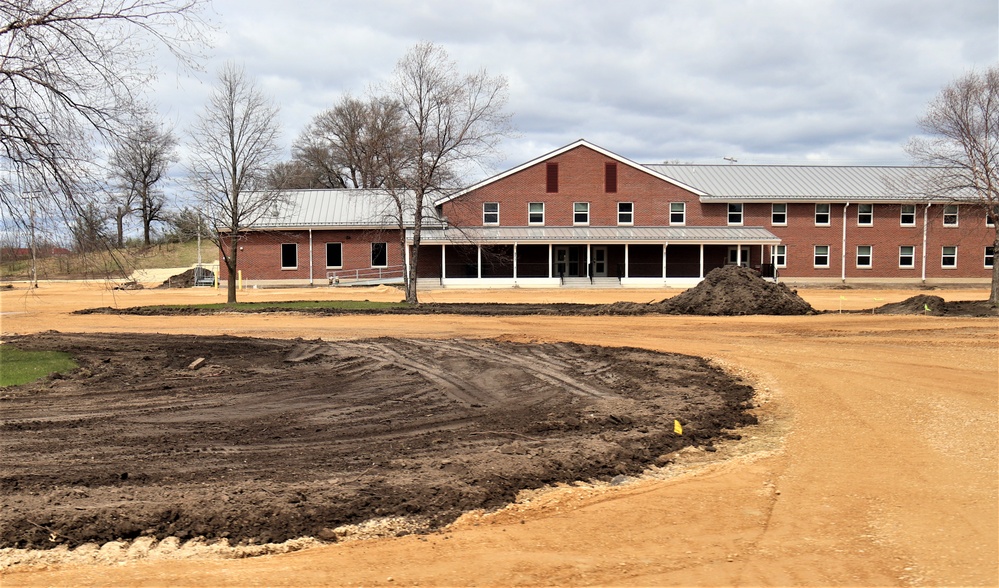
936 306
187 279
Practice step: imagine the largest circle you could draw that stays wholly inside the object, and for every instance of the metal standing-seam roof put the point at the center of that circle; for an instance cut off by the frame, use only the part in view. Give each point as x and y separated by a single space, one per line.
726 183
484 235
350 208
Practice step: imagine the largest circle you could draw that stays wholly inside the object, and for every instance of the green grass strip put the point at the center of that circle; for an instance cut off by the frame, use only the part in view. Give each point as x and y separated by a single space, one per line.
20 367
296 305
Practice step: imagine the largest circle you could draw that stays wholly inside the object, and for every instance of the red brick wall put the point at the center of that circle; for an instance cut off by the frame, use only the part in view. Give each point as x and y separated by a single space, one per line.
581 179
260 257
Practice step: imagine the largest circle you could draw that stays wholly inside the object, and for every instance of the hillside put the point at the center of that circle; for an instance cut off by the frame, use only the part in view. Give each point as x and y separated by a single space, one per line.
116 264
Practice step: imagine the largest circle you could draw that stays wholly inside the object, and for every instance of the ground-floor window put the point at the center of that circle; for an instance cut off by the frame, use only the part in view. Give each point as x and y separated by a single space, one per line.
948 257
907 256
864 256
821 256
780 256
334 255
379 254
990 256
289 256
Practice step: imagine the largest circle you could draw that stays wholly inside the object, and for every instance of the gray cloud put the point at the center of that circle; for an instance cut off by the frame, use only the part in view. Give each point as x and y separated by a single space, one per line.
761 80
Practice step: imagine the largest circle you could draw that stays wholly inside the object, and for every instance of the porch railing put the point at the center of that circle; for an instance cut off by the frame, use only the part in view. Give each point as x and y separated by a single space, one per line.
371 274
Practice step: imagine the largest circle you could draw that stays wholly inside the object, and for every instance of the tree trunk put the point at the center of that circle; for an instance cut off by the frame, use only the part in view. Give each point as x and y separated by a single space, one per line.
230 264
994 295
414 257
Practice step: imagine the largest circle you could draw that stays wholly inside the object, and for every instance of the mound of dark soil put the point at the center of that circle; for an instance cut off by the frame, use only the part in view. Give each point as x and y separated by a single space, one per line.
733 290
937 306
189 278
267 440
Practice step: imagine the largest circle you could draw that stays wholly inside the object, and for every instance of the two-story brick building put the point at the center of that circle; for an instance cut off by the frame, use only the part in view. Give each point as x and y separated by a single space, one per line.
582 214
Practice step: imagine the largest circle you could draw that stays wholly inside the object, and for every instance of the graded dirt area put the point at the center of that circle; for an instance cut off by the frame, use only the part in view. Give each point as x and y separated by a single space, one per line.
875 463
268 440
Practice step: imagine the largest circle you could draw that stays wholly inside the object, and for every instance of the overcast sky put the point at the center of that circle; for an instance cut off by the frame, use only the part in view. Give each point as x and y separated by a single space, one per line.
768 81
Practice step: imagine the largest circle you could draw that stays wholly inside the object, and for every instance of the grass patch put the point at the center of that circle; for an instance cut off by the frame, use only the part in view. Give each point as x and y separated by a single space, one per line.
20 367
291 306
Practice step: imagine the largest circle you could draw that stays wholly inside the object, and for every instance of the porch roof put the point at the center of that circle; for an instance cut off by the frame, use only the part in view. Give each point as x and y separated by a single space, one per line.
539 235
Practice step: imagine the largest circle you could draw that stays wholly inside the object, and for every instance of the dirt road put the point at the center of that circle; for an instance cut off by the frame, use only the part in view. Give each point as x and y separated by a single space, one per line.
886 474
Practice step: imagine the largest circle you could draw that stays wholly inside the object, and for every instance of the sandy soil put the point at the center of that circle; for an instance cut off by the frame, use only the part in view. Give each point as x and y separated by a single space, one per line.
876 463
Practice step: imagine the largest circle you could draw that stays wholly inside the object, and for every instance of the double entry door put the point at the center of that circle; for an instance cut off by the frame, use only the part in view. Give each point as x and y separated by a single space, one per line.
570 261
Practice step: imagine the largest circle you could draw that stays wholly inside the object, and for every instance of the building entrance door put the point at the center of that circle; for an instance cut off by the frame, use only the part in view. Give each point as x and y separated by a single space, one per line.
599 262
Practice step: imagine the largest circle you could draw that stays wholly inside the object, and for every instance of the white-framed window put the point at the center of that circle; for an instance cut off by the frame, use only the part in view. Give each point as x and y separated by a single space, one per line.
865 215
734 213
780 256
334 255
379 255
580 213
625 213
907 217
990 256
536 213
289 256
822 215
864 256
778 214
950 215
948 256
988 220
490 213
677 213
907 256
821 256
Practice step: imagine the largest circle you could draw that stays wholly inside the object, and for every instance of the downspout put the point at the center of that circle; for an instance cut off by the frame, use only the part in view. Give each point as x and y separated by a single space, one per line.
926 216
842 260
311 283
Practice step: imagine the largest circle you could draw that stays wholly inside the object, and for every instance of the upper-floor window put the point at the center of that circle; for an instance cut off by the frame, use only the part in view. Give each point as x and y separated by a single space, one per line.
865 215
677 213
735 213
822 215
625 213
334 255
907 217
950 215
490 213
551 181
778 214
536 213
989 220
864 254
580 213
610 177
289 256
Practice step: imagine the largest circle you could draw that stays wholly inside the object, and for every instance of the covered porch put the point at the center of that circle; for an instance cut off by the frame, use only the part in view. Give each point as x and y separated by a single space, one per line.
551 257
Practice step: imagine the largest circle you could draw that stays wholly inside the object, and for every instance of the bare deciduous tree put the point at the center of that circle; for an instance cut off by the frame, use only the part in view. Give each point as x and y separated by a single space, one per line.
347 146
139 160
69 69
452 121
234 144
961 129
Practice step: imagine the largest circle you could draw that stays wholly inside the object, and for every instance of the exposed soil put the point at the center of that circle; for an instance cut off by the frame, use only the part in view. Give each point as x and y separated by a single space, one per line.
188 278
266 440
936 306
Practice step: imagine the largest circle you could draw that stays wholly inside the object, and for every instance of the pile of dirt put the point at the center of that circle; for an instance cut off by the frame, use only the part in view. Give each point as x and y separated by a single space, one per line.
733 290
261 441
936 306
190 278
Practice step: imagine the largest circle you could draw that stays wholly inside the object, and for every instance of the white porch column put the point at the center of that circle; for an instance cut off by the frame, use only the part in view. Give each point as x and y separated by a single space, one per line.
588 261
406 262
514 261
443 263
664 259
700 271
926 213
549 260
626 260
310 257
478 261
842 260
738 254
